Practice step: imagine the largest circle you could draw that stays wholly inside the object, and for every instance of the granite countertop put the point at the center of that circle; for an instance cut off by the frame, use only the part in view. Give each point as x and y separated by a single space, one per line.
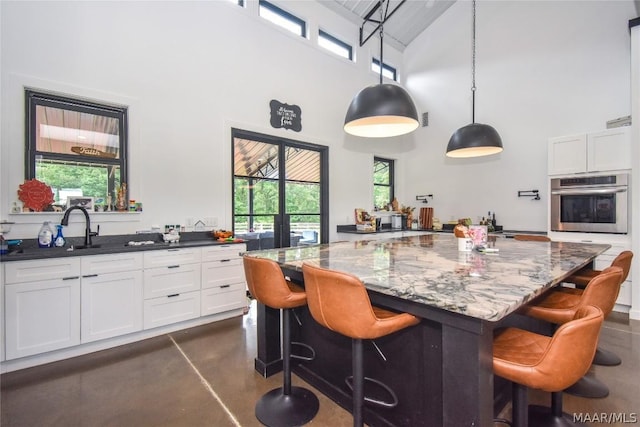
429 269
102 245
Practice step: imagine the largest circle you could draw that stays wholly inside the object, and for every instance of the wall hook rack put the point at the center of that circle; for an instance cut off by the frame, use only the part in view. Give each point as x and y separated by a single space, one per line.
424 198
529 193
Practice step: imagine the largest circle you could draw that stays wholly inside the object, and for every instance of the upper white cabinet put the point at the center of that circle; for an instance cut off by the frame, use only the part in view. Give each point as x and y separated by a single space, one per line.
607 150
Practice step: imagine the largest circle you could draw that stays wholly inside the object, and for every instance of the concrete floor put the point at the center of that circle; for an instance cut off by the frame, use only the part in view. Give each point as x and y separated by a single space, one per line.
204 376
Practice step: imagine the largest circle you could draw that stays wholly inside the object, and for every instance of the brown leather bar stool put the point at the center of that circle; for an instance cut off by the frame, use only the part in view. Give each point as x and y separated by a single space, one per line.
581 279
339 302
559 307
286 406
531 238
531 360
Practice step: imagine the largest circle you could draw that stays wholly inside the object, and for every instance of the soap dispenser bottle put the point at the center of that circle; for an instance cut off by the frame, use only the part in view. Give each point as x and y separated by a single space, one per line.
59 241
45 235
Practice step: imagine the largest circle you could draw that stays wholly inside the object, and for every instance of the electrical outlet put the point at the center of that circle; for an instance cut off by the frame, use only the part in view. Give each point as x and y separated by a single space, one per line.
214 221
190 222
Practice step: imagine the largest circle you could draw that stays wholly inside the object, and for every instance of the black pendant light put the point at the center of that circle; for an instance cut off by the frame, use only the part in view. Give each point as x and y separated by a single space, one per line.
475 139
381 110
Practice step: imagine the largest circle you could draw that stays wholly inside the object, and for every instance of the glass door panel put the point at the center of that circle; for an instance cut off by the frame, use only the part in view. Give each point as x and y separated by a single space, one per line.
277 203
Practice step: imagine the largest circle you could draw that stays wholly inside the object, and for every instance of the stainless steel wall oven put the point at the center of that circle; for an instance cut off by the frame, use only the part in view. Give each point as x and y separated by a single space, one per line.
590 204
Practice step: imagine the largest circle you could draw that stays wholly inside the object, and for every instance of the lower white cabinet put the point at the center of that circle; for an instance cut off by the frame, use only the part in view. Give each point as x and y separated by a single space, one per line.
111 305
171 286
223 282
53 304
171 309
42 316
223 298
111 295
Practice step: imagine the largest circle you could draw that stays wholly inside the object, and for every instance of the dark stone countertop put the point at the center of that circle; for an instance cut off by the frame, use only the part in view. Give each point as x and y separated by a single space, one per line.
103 245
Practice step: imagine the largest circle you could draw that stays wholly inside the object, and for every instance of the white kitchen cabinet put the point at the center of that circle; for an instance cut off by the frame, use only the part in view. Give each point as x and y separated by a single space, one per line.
42 306
171 286
608 150
171 309
223 280
111 302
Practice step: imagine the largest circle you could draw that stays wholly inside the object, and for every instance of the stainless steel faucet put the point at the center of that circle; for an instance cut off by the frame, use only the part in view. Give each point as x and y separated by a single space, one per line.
87 232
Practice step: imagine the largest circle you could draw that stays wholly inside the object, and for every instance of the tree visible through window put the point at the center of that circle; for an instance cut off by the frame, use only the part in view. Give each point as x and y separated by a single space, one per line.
77 147
383 191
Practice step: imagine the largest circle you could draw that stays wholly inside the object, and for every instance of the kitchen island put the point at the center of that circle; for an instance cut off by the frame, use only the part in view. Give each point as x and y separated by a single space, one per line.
441 369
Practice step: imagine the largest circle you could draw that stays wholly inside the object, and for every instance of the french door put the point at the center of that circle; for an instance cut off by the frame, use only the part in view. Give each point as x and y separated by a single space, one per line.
280 191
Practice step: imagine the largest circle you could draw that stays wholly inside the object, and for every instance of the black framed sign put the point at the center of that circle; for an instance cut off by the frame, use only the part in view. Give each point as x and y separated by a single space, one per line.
285 116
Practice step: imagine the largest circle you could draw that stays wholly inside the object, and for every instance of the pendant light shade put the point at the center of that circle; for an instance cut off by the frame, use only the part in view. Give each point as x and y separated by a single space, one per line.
475 139
381 110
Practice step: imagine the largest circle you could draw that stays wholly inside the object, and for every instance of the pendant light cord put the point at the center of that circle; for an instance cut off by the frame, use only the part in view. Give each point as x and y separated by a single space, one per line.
473 64
382 19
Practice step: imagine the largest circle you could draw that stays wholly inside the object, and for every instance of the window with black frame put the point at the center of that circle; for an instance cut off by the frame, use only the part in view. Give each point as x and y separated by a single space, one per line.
383 185
77 147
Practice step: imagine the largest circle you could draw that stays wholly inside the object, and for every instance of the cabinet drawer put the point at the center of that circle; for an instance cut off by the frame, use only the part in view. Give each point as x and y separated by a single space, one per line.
223 298
168 257
222 272
42 316
99 264
172 309
216 253
175 279
45 269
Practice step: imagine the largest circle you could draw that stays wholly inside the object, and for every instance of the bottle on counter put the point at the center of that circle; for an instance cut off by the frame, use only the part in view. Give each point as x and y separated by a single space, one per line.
45 235
59 240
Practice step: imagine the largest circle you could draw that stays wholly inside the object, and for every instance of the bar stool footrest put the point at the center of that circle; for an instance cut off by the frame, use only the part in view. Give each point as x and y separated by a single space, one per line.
384 404
275 409
542 416
305 346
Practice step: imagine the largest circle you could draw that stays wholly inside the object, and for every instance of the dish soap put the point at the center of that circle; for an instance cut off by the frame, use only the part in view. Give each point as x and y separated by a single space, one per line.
59 241
45 235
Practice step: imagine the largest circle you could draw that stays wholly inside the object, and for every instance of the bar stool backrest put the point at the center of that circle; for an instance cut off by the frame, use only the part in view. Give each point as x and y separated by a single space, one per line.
267 284
339 301
567 356
623 260
602 291
531 238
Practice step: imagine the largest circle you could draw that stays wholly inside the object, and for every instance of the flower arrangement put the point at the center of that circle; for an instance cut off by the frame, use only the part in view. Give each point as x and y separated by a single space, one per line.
36 195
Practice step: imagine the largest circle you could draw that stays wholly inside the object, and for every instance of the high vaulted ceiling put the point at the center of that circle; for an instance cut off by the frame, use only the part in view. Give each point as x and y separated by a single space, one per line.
409 20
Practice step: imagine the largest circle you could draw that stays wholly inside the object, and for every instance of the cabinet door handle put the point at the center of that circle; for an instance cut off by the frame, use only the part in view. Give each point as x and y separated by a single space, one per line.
89 275
173 295
225 286
225 260
173 266
71 278
173 250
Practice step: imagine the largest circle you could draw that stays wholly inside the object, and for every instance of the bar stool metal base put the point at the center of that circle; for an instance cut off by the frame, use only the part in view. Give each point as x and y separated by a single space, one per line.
542 416
275 409
589 387
606 358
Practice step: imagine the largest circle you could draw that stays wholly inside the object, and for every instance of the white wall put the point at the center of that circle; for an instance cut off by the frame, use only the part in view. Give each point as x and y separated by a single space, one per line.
543 69
189 71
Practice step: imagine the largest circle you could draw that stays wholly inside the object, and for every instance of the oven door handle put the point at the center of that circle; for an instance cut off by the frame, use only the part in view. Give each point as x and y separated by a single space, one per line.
588 191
